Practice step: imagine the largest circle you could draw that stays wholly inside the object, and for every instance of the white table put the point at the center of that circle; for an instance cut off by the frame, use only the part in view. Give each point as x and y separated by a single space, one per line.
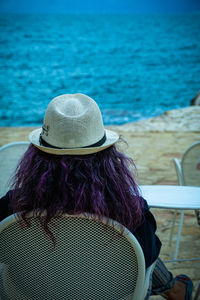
172 197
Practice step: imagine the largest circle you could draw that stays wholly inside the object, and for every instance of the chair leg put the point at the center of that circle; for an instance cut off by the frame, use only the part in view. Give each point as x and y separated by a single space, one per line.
172 228
197 212
179 234
196 297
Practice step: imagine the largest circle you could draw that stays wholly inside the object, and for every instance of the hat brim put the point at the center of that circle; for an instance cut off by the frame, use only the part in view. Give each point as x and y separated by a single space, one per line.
111 138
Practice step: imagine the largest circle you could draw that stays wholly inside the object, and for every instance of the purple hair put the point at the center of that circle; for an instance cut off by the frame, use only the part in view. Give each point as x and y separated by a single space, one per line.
100 183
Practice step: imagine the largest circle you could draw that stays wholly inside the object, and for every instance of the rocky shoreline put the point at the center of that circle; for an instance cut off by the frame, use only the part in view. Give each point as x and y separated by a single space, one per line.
183 119
153 143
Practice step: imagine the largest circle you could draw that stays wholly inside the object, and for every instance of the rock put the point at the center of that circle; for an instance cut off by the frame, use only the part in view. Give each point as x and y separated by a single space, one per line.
196 99
182 120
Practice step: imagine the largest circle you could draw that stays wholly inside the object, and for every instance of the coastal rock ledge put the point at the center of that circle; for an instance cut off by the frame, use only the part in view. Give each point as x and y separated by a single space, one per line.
183 119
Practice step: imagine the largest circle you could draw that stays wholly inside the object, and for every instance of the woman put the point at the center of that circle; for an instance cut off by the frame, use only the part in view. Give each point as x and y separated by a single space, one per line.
73 165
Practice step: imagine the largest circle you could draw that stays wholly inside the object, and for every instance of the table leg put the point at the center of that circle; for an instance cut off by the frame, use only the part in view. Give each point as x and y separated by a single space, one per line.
172 228
179 234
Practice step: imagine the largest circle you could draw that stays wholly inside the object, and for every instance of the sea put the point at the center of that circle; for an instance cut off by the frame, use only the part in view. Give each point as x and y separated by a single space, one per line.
134 66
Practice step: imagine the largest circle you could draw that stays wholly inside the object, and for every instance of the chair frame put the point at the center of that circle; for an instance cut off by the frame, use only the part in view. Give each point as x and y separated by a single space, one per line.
181 181
178 165
9 147
143 279
13 144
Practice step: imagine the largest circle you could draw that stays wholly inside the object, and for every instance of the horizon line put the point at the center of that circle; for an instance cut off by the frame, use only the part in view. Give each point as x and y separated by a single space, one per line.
101 13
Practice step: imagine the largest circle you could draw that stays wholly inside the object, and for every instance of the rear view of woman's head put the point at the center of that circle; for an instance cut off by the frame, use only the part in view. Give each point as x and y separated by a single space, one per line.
73 166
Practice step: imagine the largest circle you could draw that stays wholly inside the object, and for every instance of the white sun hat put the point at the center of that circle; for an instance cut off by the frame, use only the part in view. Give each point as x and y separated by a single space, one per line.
73 125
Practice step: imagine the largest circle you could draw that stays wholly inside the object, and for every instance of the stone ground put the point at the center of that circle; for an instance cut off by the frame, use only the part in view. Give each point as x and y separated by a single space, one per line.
153 144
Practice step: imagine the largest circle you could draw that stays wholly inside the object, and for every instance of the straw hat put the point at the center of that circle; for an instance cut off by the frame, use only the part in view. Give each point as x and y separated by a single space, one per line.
73 125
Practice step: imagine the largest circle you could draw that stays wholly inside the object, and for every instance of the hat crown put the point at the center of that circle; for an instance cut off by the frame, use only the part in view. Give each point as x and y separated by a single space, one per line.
72 121
70 106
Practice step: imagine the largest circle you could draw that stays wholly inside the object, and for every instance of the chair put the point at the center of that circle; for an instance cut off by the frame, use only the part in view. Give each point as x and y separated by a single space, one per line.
10 155
188 173
91 260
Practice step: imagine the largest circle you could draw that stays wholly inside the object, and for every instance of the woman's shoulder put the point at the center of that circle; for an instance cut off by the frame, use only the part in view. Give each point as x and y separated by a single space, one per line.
5 202
148 217
146 206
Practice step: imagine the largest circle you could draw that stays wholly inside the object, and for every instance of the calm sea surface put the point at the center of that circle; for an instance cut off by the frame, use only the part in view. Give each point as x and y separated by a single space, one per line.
134 66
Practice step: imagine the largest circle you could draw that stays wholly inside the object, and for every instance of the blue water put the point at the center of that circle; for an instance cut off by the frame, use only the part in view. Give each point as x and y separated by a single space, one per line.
134 66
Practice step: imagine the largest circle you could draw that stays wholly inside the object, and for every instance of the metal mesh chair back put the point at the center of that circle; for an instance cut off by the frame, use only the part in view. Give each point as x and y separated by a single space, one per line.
90 260
10 155
191 165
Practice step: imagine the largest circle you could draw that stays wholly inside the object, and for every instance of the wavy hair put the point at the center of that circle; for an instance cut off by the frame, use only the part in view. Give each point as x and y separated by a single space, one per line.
102 183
